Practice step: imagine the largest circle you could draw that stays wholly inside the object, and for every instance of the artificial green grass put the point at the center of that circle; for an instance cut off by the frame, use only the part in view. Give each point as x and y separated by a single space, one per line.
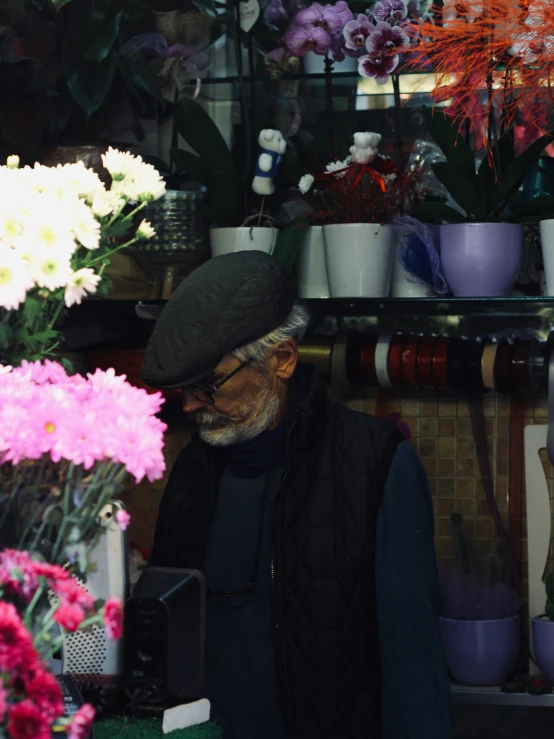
126 727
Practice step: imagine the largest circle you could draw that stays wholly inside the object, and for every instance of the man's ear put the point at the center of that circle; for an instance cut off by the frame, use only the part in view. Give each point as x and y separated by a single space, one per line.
286 357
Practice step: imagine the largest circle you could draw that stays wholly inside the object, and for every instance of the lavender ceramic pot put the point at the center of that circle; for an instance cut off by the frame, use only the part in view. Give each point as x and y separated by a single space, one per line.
480 653
481 259
543 645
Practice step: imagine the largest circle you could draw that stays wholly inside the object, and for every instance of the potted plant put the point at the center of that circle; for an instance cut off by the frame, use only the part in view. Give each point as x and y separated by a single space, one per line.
543 633
479 620
212 164
355 202
481 244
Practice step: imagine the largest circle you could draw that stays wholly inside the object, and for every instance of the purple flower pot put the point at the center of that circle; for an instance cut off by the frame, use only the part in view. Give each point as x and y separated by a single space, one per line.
481 259
543 645
480 653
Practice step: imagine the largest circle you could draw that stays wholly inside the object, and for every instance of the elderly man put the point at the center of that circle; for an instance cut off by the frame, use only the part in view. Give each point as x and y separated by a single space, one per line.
311 522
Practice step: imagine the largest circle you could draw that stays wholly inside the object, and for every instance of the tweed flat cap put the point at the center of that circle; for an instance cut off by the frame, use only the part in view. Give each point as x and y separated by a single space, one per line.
226 303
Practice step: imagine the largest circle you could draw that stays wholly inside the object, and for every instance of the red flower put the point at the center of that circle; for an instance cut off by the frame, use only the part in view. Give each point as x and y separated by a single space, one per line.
17 574
81 723
25 721
69 616
69 591
17 654
45 692
113 618
3 703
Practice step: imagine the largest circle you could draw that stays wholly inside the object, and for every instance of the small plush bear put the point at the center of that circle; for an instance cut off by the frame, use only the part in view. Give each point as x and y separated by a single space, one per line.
365 147
272 147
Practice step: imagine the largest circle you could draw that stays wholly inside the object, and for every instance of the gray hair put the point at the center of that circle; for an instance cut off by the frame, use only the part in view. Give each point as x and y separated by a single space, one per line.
294 327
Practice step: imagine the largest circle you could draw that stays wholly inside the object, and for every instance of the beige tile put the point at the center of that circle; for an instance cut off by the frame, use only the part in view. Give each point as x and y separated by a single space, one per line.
446 487
446 467
428 426
541 408
447 447
369 406
463 409
466 467
447 408
502 448
466 506
428 408
412 423
489 405
502 465
445 507
466 448
502 406
409 407
445 546
464 427
430 464
465 487
428 447
447 427
484 528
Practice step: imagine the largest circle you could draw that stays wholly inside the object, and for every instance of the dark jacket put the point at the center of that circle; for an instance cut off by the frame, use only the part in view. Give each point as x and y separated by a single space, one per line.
323 566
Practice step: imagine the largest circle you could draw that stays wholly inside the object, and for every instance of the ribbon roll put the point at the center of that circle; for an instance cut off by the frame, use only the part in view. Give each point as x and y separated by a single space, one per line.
473 378
503 366
395 360
550 432
537 380
409 362
518 370
440 362
425 363
487 364
356 341
382 361
456 365
367 363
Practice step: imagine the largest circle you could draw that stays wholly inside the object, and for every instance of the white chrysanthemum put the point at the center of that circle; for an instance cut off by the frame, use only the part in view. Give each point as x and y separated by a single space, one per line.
145 230
83 181
143 184
12 224
85 226
50 227
105 203
336 166
80 283
305 184
50 269
5 369
119 163
12 162
15 279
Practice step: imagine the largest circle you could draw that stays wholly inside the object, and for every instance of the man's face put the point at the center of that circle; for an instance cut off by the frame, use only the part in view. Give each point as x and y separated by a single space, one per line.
244 407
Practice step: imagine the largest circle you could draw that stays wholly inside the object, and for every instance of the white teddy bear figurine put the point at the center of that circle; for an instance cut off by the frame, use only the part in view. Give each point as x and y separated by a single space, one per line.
272 147
365 147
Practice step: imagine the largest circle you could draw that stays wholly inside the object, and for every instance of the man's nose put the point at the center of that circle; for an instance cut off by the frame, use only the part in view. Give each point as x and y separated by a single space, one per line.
191 403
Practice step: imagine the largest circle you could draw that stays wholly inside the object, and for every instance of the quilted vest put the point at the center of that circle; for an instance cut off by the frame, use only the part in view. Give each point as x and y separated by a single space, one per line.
323 567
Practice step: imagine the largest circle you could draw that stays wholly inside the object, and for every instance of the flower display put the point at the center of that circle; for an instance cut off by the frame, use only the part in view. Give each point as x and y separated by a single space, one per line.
59 227
31 703
78 438
366 187
388 35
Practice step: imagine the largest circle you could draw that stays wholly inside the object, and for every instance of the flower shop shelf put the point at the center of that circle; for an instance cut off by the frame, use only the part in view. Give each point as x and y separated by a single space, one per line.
495 697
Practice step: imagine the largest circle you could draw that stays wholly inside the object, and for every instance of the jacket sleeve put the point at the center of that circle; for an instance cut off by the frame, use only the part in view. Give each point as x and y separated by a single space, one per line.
416 698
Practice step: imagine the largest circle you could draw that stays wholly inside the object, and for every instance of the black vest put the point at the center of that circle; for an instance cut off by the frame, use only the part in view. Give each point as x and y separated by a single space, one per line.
323 569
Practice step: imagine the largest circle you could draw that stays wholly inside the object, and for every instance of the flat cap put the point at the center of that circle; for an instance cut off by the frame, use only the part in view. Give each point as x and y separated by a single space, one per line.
226 303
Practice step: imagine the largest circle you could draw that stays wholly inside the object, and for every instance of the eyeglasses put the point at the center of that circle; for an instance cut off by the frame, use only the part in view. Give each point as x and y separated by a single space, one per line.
205 395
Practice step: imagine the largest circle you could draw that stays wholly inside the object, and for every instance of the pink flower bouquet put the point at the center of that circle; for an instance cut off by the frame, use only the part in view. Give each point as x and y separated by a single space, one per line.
67 443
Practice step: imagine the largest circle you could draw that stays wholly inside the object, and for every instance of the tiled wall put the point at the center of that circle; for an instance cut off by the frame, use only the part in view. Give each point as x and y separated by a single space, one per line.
442 435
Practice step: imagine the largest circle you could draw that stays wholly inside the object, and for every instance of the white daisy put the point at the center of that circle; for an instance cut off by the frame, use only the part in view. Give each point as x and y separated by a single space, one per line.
83 181
119 163
335 167
145 230
50 269
80 283
85 226
305 184
105 203
50 226
15 279
145 185
12 162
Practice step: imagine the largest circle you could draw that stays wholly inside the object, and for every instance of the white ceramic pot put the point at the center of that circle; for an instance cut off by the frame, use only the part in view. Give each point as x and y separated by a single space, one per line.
245 238
360 258
405 285
547 246
312 269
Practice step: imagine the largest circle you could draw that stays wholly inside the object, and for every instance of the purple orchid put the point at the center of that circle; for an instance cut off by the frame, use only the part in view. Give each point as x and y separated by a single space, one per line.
279 61
326 17
275 12
378 66
344 12
356 33
302 39
387 40
390 11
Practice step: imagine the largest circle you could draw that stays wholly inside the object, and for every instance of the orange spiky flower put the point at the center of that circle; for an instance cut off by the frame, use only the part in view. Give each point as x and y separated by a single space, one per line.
502 47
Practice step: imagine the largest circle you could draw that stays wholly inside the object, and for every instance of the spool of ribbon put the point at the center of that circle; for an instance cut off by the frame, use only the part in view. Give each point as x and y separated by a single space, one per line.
518 367
382 361
396 348
502 366
317 352
472 380
440 364
536 372
487 364
409 362
456 364
367 362
425 363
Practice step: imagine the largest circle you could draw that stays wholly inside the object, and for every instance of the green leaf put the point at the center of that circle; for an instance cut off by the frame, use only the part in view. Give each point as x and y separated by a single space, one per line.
32 309
536 209
433 211
59 4
463 189
140 77
88 82
102 40
5 336
512 177
201 134
550 611
549 584
191 164
455 148
289 242
118 229
208 7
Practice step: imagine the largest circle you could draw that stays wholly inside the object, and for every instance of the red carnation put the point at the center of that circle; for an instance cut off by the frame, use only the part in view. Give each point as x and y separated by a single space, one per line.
17 653
81 722
70 591
25 721
113 618
45 691
69 616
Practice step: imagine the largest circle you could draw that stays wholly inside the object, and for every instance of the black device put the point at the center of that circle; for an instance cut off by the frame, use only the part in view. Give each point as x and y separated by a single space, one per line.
164 630
72 698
